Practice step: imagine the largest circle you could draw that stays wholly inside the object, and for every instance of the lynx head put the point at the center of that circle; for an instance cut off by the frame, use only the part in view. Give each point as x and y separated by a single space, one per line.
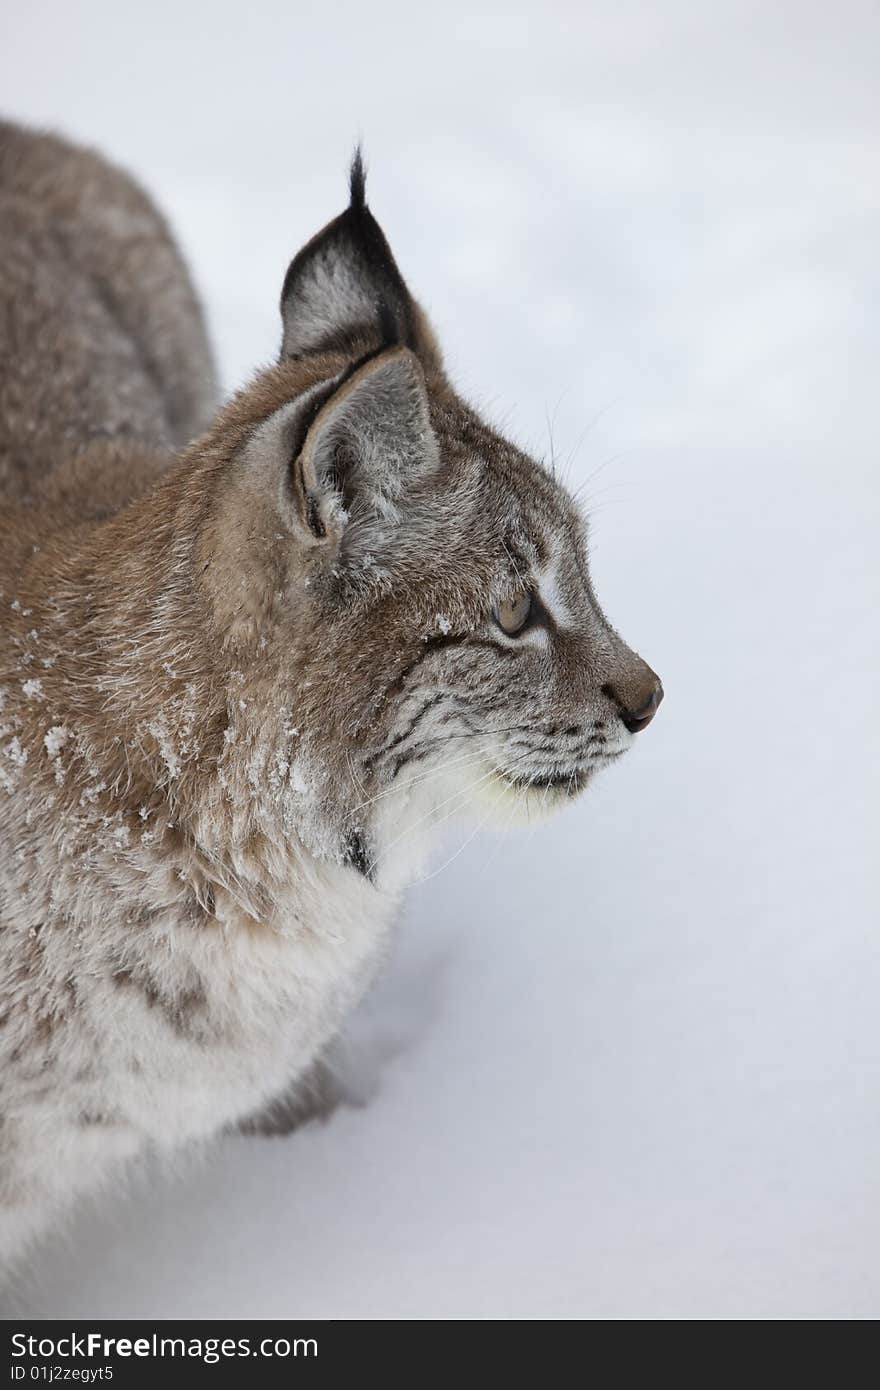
411 590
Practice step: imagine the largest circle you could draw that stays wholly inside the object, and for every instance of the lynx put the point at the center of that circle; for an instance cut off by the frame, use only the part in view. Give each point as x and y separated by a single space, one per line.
249 657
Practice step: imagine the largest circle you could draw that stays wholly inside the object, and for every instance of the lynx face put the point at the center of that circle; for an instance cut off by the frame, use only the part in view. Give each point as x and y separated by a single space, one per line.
419 588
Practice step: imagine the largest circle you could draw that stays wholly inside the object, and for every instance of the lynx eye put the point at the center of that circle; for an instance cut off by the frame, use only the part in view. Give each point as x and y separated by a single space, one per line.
512 614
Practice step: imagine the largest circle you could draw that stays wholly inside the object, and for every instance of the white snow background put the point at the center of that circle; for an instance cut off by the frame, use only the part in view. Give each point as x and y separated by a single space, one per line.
640 1061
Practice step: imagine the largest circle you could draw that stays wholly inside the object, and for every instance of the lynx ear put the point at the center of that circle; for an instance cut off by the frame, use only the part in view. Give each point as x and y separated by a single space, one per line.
367 445
345 280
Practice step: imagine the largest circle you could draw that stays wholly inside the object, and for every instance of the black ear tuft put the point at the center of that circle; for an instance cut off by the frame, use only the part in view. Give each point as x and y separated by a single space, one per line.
358 182
345 284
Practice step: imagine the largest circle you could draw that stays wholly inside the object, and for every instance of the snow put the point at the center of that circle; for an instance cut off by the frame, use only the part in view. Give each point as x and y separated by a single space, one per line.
55 739
17 755
632 1056
165 739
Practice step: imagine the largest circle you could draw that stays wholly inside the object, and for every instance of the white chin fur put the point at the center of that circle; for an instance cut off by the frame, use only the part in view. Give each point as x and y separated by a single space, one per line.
514 805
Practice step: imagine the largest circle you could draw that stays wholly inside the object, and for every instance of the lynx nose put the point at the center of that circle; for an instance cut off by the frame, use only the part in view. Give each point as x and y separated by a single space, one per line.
637 700
640 718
